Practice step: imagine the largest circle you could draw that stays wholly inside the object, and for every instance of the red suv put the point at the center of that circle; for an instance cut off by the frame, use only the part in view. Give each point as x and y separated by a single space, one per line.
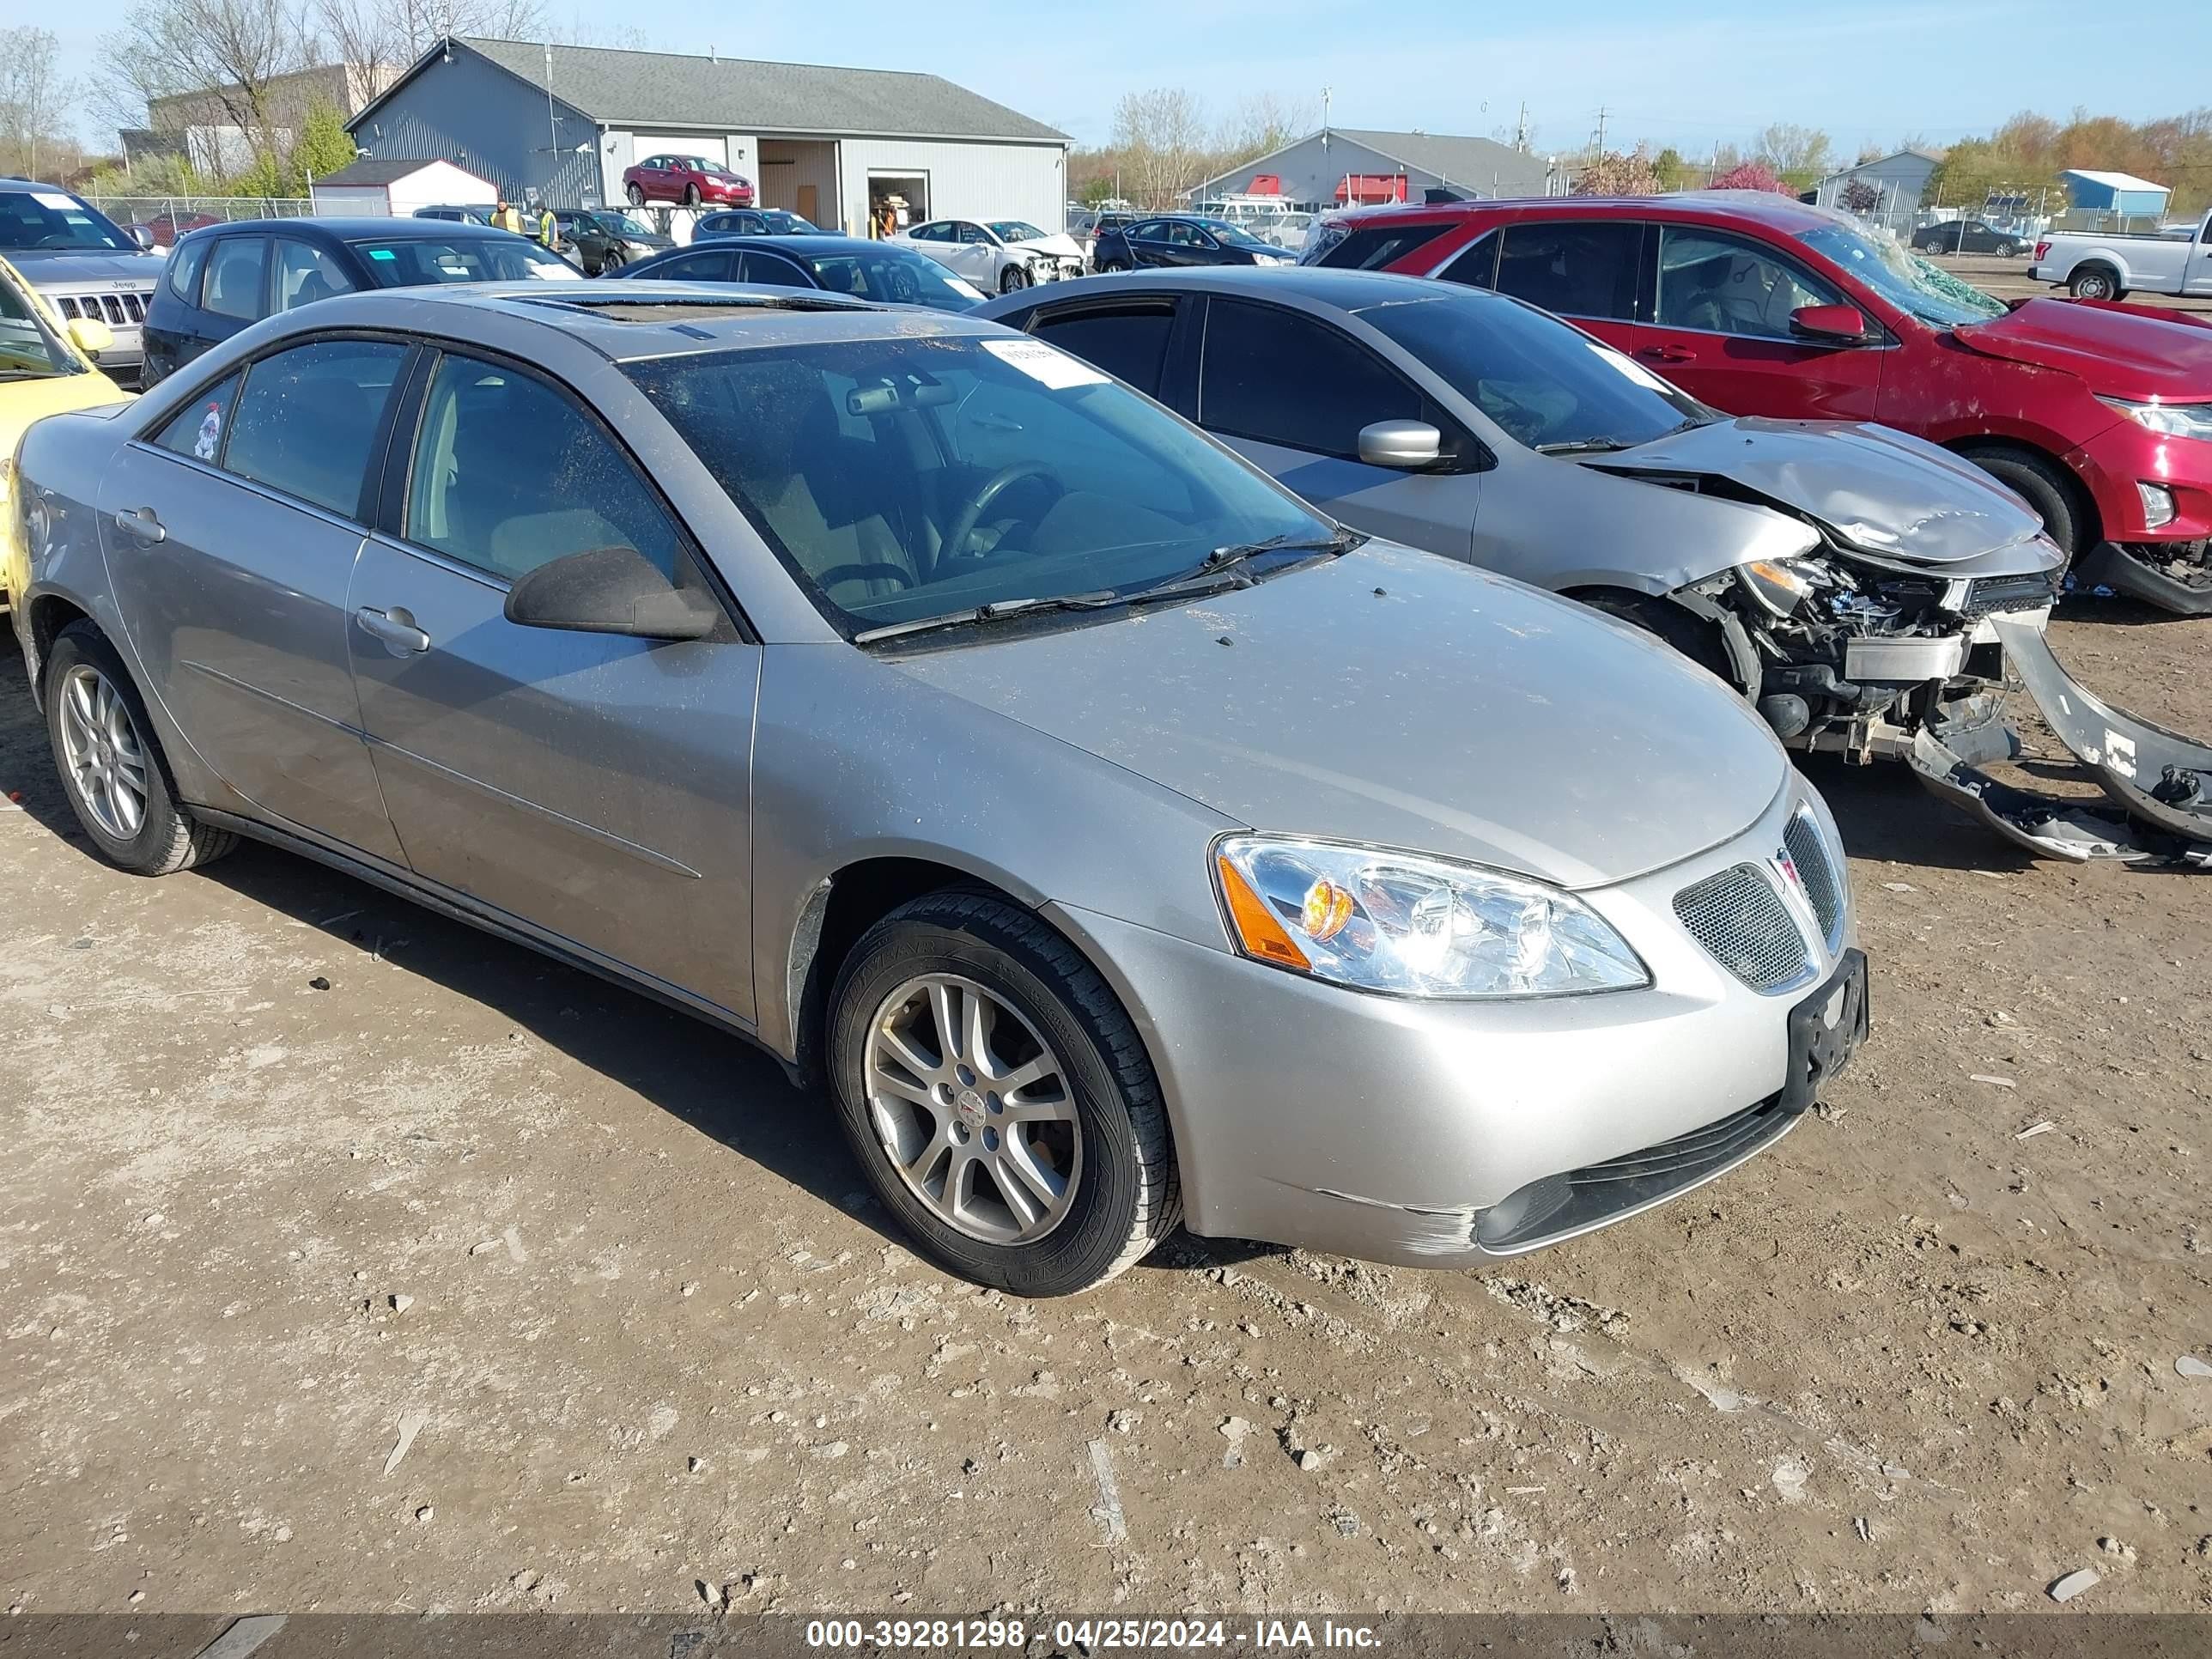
690 179
2099 415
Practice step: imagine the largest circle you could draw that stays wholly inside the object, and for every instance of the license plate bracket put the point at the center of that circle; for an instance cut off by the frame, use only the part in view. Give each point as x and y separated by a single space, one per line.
1826 1029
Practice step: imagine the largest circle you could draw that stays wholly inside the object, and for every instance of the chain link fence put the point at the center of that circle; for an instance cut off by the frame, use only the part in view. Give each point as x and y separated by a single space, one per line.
170 217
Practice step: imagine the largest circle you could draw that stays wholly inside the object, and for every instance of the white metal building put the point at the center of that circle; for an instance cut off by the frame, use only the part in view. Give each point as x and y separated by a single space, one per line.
563 122
375 189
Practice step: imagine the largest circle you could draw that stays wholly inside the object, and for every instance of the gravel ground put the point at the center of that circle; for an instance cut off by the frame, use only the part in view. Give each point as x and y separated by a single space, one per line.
472 1283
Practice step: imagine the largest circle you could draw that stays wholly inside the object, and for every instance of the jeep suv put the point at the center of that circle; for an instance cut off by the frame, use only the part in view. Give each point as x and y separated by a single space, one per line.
82 265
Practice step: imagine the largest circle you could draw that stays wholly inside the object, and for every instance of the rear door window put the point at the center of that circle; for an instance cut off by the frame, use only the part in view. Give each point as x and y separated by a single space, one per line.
1129 342
1578 268
198 429
238 278
1380 247
712 266
770 270
306 274
183 274
308 417
1281 378
1478 266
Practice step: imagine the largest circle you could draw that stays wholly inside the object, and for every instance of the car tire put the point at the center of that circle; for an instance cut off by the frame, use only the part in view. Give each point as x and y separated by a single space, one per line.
1013 280
1107 267
112 767
2004 250
691 196
1100 1130
2095 282
611 261
637 194
2046 487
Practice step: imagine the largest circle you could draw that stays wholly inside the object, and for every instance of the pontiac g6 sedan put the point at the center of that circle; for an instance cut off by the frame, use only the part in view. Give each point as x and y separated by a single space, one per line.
1117 840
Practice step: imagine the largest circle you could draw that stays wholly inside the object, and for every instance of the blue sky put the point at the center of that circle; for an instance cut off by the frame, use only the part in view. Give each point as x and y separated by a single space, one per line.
1685 72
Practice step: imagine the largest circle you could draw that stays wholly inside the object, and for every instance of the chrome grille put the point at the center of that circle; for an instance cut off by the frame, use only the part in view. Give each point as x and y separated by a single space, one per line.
1741 919
118 310
2029 591
1817 873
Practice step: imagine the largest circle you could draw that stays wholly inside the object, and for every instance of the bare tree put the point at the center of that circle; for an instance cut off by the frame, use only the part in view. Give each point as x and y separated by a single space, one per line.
1790 148
1163 134
374 39
1263 122
228 53
33 96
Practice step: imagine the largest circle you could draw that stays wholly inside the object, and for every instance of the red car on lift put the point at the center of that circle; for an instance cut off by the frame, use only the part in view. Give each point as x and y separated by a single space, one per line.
2099 415
690 179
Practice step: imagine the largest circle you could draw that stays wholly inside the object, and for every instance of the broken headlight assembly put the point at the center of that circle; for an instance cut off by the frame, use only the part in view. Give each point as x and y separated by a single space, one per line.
1779 586
1414 926
2167 420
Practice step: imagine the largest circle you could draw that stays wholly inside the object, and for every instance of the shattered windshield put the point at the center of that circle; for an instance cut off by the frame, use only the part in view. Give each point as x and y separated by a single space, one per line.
1546 383
1910 283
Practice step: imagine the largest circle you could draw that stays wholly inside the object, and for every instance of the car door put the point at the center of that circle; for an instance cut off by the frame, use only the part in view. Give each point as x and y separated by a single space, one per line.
710 266
2198 278
975 255
231 535
1291 392
1720 329
593 787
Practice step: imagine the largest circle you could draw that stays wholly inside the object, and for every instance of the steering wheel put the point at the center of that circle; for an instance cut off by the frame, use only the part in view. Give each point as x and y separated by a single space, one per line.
864 573
992 487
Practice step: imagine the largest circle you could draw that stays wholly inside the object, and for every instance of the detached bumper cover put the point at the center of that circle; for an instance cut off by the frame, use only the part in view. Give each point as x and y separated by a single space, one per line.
2159 782
2181 585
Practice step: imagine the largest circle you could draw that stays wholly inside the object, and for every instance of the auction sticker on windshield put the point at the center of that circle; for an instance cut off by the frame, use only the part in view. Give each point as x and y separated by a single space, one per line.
1048 364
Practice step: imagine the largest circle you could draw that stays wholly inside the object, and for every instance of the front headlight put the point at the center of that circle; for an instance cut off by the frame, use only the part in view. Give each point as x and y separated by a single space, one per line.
1777 586
2167 420
1415 926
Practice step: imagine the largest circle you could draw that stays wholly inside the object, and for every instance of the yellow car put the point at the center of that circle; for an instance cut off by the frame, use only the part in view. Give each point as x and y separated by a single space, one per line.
47 367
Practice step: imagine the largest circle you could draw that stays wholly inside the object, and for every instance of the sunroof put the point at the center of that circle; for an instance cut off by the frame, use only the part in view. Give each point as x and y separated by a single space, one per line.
685 309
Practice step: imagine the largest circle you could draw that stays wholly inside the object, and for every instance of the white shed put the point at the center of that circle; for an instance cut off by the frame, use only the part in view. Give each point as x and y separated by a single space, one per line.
374 189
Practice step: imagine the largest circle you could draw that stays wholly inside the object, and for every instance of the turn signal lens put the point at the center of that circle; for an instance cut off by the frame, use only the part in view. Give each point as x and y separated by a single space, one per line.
1327 908
1257 930
1778 588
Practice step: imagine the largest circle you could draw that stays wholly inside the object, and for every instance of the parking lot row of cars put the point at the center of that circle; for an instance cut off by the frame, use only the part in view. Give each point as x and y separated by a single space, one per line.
1048 727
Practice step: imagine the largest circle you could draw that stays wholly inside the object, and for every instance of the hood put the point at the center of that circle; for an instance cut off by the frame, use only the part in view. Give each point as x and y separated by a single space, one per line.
1062 246
1896 497
2121 353
46 269
1453 711
654 240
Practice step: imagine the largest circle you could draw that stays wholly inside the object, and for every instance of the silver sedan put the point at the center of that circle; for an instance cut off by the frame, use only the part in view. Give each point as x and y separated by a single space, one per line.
1114 840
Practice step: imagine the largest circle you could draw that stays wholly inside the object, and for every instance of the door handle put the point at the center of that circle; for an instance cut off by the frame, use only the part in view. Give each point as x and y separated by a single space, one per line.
396 628
1667 354
141 522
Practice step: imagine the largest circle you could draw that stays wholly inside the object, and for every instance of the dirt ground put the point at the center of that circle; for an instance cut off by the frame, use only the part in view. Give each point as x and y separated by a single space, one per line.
2008 279
653 1337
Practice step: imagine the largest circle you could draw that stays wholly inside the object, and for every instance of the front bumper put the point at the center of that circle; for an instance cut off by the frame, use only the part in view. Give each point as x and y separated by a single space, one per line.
1391 1128
2123 455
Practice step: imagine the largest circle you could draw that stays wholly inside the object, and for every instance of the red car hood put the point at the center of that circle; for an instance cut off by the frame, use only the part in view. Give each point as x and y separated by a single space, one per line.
2117 353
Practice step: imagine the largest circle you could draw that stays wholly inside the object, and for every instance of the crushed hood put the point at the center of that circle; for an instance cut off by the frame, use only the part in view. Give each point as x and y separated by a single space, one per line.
1882 491
1060 246
50 270
1455 712
2120 353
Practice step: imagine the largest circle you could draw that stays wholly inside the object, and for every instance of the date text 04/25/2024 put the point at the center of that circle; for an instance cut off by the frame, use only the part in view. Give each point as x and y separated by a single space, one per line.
1090 1635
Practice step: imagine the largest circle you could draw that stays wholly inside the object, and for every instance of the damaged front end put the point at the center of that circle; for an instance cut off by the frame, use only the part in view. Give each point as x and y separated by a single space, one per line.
2174 576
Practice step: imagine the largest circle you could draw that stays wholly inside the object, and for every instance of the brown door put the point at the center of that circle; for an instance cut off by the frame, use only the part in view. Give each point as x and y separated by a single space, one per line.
809 198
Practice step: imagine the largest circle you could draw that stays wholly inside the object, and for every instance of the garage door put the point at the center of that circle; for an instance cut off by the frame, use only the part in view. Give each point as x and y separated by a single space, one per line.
677 144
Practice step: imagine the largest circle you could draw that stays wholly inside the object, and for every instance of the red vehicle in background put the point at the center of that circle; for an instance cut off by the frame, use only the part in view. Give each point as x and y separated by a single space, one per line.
690 179
2099 415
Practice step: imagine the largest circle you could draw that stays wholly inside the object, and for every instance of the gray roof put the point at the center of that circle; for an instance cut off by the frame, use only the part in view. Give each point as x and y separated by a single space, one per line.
370 171
653 89
1472 162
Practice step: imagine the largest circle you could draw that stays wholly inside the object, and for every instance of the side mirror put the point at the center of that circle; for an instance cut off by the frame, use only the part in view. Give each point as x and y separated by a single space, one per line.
610 590
91 335
1830 324
1408 445
143 236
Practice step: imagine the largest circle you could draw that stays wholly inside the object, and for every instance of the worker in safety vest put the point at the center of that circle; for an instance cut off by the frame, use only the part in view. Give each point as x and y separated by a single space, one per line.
505 217
545 230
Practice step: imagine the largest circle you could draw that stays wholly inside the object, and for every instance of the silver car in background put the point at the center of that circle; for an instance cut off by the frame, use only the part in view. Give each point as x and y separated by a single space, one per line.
1118 840
83 265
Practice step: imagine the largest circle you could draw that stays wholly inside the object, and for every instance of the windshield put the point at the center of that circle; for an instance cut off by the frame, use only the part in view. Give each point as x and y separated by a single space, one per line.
1015 230
29 350
621 224
1549 385
1910 283
712 169
789 224
1234 235
893 277
415 263
899 479
54 219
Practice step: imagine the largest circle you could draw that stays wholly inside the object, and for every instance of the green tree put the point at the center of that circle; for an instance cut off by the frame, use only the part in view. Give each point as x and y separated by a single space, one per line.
324 145
1674 173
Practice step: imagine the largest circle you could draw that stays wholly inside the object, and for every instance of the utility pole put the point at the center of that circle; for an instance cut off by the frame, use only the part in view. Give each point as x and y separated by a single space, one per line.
1521 129
552 129
1597 147
1326 94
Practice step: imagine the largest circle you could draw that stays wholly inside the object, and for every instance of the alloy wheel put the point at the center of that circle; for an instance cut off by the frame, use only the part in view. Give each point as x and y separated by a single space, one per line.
106 762
973 1109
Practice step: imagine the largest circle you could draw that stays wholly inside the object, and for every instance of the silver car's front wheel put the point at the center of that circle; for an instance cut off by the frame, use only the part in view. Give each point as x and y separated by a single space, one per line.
972 1109
105 761
998 1097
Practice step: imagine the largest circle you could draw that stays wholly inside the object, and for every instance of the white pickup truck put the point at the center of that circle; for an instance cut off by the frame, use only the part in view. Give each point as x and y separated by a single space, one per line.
2094 266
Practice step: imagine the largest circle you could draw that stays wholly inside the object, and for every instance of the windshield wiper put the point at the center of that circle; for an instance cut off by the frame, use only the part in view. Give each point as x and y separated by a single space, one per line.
1584 445
994 611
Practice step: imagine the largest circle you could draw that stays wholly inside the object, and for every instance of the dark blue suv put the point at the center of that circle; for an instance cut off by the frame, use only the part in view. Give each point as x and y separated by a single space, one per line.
226 277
